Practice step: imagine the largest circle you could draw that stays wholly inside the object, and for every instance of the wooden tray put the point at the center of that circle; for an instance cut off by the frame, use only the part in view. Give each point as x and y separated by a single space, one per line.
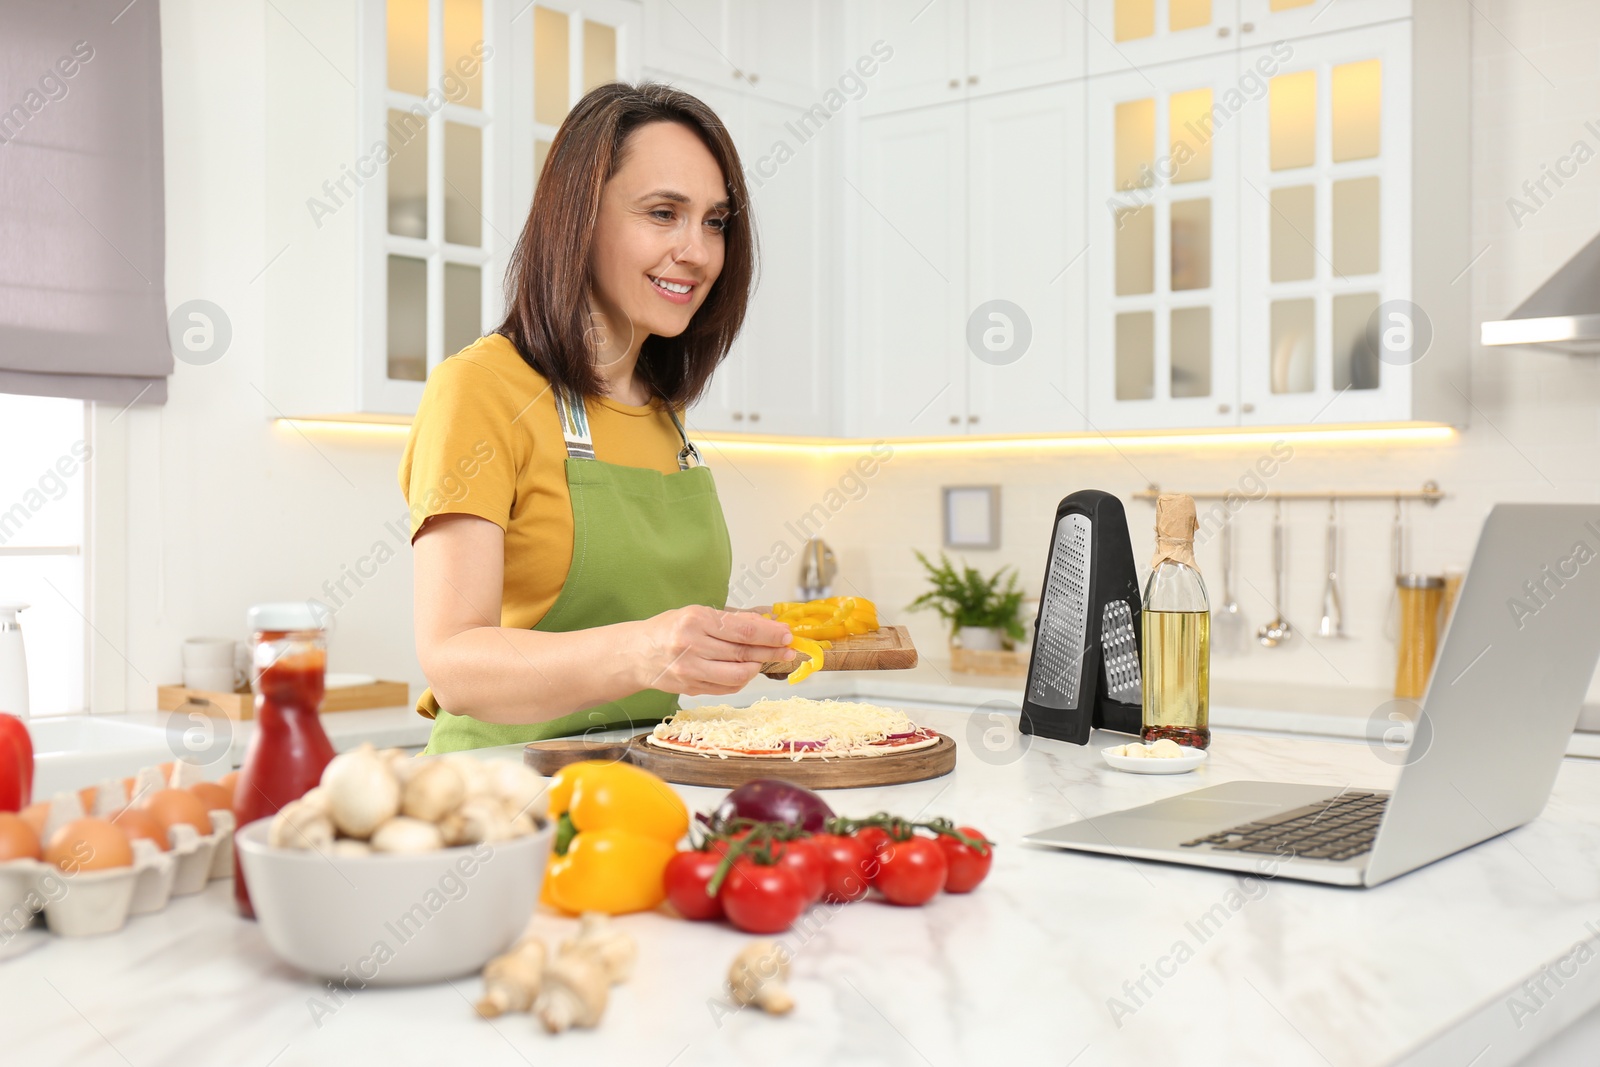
846 772
242 706
888 648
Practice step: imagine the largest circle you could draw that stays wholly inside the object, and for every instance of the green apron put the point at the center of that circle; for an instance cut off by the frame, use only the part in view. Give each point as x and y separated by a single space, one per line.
643 542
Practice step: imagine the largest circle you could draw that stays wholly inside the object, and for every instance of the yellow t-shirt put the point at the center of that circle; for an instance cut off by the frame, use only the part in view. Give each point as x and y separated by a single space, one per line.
486 441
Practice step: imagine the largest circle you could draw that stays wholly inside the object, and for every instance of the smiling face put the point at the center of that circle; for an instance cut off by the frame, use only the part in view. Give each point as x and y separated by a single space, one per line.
658 243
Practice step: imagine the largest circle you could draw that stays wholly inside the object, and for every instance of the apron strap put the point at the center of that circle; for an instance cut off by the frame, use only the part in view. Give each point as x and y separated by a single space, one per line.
580 445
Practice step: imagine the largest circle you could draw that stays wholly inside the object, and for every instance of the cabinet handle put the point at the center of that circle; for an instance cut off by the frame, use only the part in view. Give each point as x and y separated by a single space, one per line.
752 78
1223 409
1248 27
755 416
1223 31
738 416
955 83
955 420
972 79
738 74
1248 409
972 418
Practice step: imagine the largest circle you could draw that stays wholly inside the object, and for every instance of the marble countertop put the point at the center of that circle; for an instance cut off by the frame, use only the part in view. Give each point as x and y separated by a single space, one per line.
1058 958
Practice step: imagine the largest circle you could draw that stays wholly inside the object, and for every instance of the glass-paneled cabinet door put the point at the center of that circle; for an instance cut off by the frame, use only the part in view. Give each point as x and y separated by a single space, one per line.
1325 234
1264 21
1126 35
432 179
1163 189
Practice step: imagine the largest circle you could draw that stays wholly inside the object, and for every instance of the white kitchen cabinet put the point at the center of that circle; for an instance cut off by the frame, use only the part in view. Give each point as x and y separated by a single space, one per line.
907 373
421 173
1129 35
775 379
1264 21
928 41
948 50
771 46
1163 301
1026 245
1325 231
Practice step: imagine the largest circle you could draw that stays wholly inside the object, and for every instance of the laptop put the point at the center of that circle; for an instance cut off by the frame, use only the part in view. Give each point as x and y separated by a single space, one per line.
1507 686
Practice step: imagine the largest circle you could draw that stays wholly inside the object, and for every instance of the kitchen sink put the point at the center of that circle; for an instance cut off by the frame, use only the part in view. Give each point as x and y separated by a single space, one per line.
72 751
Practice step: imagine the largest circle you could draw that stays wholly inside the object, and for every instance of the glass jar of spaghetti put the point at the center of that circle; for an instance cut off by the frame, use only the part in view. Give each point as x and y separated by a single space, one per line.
288 748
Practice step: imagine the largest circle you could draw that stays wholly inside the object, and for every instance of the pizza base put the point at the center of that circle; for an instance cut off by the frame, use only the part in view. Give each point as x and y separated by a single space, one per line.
864 752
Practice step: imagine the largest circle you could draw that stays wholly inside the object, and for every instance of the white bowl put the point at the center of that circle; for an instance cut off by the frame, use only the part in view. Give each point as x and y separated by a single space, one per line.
1191 758
392 919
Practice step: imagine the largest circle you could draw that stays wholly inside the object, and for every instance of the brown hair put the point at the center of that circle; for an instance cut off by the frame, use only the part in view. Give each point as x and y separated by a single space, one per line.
548 281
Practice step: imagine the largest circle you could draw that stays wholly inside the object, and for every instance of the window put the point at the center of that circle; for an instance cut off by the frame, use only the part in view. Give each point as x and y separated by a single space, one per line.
43 482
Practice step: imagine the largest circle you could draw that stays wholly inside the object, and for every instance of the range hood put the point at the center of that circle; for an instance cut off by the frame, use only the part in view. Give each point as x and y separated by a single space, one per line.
1562 314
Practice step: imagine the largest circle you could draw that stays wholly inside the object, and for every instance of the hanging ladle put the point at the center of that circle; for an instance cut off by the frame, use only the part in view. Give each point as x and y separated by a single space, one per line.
1332 622
1278 630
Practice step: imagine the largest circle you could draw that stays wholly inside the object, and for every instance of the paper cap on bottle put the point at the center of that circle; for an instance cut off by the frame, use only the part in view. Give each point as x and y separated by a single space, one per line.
1175 527
288 615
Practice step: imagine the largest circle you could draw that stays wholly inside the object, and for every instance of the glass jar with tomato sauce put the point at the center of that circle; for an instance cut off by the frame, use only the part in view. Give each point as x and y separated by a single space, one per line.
288 748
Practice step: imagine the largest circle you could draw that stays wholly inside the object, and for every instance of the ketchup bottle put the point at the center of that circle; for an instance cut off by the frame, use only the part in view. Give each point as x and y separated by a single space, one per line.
288 749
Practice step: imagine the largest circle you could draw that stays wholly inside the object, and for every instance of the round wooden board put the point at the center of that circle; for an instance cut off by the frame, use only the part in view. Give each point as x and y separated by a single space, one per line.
846 772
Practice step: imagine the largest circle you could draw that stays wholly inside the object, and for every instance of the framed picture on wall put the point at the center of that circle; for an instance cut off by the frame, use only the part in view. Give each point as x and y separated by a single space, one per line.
972 516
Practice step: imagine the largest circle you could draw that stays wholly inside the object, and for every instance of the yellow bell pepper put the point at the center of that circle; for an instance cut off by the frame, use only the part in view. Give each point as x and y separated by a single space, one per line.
617 826
807 647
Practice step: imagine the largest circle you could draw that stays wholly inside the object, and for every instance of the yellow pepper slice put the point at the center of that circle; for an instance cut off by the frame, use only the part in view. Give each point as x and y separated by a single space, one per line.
807 647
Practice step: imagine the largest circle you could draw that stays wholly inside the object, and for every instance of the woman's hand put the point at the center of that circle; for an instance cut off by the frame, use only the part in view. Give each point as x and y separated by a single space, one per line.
696 651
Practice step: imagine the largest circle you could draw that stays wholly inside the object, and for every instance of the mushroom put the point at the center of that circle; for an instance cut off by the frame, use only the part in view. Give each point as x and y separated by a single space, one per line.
433 791
405 834
474 775
573 992
511 981
757 977
346 848
517 785
477 819
363 792
300 825
400 763
613 949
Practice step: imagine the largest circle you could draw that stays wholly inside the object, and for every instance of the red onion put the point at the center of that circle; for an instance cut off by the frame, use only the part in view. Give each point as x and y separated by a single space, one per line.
770 800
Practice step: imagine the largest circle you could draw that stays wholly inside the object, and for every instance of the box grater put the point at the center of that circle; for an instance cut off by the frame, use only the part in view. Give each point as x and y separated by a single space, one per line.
1084 672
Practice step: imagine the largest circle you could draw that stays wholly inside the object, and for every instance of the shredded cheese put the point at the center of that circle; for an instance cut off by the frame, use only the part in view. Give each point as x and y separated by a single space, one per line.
824 726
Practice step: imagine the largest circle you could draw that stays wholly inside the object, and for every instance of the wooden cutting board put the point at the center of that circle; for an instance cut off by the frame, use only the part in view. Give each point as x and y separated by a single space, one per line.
548 757
888 648
846 772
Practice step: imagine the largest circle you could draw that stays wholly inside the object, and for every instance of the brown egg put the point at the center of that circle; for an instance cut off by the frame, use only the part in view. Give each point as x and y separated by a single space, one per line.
88 845
17 838
86 798
172 806
213 795
136 823
231 782
35 815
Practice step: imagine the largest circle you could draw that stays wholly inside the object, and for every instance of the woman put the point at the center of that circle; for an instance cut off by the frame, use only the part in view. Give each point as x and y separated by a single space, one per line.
570 552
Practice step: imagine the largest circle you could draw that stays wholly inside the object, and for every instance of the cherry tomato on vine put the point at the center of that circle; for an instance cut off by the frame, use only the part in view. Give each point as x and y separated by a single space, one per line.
968 866
685 881
761 899
849 861
876 838
807 860
912 871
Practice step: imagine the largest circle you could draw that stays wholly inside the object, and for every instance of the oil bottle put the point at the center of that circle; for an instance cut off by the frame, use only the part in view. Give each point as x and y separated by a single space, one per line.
1176 654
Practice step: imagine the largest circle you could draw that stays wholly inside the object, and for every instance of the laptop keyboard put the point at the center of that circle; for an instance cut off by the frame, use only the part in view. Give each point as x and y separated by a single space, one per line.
1334 829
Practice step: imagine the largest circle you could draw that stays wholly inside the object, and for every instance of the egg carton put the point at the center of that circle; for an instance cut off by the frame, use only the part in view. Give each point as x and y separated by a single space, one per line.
84 903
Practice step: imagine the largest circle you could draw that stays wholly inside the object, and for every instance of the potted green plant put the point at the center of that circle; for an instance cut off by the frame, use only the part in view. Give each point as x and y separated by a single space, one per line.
982 614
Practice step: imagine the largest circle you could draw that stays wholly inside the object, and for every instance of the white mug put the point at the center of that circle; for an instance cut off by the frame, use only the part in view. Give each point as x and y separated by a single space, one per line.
214 664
